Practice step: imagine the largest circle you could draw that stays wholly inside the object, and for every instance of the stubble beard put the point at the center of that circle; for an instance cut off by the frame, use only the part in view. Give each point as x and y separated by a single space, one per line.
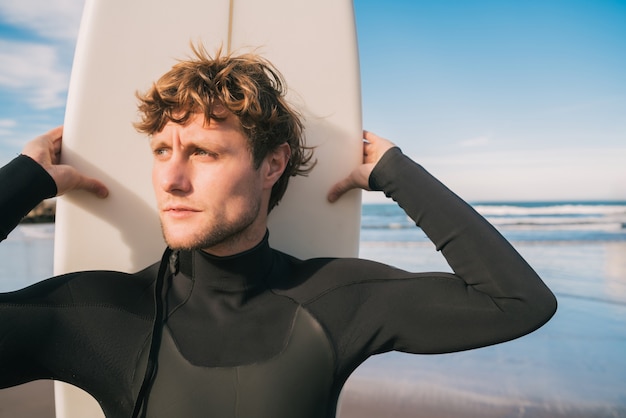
219 233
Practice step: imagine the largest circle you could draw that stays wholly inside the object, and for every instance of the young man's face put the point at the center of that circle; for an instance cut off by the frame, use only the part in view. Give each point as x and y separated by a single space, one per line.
209 194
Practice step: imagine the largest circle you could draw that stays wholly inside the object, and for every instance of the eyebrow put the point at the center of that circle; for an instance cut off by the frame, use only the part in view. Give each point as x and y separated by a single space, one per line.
154 142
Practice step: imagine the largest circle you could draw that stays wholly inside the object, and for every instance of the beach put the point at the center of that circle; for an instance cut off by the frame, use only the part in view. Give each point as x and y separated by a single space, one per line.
31 400
574 366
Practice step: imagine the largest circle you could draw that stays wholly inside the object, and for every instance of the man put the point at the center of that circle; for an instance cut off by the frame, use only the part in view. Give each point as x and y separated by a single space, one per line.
225 326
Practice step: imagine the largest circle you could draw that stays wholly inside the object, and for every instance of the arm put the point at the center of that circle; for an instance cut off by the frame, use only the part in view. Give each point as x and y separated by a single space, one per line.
36 175
493 295
23 184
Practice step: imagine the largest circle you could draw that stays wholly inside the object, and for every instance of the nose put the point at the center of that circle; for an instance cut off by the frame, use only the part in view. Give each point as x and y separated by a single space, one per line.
172 175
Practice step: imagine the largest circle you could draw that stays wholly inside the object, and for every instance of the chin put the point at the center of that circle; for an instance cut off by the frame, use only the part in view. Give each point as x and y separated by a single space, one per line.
179 240
178 244
185 241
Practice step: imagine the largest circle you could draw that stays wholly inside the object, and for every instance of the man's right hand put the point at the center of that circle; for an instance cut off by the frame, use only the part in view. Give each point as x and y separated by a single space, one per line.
374 147
46 150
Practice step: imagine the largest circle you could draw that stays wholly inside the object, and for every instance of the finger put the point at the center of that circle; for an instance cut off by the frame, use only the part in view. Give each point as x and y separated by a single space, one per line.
89 184
374 139
370 136
56 139
56 133
340 188
375 146
366 149
68 178
93 186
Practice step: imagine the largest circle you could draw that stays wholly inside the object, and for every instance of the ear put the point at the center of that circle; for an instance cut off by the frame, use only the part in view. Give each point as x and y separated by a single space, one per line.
275 164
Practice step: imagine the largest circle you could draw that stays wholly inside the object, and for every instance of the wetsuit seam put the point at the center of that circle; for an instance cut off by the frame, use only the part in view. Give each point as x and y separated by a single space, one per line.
138 354
422 276
330 340
68 306
273 357
327 333
184 301
433 276
188 296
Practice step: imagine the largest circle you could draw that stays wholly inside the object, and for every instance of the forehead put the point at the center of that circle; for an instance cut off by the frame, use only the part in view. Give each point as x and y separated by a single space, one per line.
197 127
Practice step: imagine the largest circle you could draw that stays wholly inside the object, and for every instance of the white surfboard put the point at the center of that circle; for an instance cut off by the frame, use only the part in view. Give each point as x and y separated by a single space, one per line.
123 46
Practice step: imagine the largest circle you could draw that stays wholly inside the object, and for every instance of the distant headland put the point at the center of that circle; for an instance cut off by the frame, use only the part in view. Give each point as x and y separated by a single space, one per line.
43 213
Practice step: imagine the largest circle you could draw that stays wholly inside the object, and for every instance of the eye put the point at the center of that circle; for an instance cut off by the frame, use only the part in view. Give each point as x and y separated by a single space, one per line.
201 152
160 152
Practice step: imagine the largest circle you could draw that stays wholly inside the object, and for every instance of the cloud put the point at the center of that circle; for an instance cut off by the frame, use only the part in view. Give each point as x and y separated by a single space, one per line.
7 123
480 141
56 19
6 127
546 174
34 73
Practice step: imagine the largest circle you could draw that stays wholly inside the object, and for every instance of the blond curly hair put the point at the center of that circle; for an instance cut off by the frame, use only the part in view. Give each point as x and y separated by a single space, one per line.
249 87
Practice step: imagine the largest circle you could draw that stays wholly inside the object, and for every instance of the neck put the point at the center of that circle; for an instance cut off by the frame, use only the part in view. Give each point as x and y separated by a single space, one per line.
238 243
242 270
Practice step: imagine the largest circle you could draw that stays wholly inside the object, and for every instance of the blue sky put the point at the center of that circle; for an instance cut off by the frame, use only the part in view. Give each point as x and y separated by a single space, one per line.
502 100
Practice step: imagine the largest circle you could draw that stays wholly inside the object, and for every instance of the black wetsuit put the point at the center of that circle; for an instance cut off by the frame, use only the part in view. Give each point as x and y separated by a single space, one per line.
262 334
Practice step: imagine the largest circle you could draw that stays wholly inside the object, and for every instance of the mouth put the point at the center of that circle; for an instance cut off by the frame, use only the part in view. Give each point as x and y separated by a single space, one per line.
177 211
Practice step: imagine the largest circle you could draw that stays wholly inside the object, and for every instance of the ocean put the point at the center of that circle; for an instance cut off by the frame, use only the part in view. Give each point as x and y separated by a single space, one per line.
518 221
574 366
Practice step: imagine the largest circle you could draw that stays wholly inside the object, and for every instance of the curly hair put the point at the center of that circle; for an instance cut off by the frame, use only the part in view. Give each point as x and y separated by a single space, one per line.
249 87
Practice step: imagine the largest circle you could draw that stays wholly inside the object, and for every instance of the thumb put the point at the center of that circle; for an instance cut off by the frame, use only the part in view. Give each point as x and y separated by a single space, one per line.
93 186
67 178
340 188
358 179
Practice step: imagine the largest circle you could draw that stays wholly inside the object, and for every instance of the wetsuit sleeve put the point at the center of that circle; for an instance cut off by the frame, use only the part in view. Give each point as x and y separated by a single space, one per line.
23 185
493 287
90 329
492 296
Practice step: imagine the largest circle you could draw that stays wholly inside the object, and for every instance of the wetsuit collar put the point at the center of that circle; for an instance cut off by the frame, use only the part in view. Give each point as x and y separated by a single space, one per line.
237 272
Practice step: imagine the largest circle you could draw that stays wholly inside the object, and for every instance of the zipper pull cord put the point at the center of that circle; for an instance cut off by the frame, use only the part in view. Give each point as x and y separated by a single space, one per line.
168 267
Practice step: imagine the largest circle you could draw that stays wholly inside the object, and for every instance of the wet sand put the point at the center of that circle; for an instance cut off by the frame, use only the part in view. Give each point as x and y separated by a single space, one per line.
362 399
370 404
31 400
